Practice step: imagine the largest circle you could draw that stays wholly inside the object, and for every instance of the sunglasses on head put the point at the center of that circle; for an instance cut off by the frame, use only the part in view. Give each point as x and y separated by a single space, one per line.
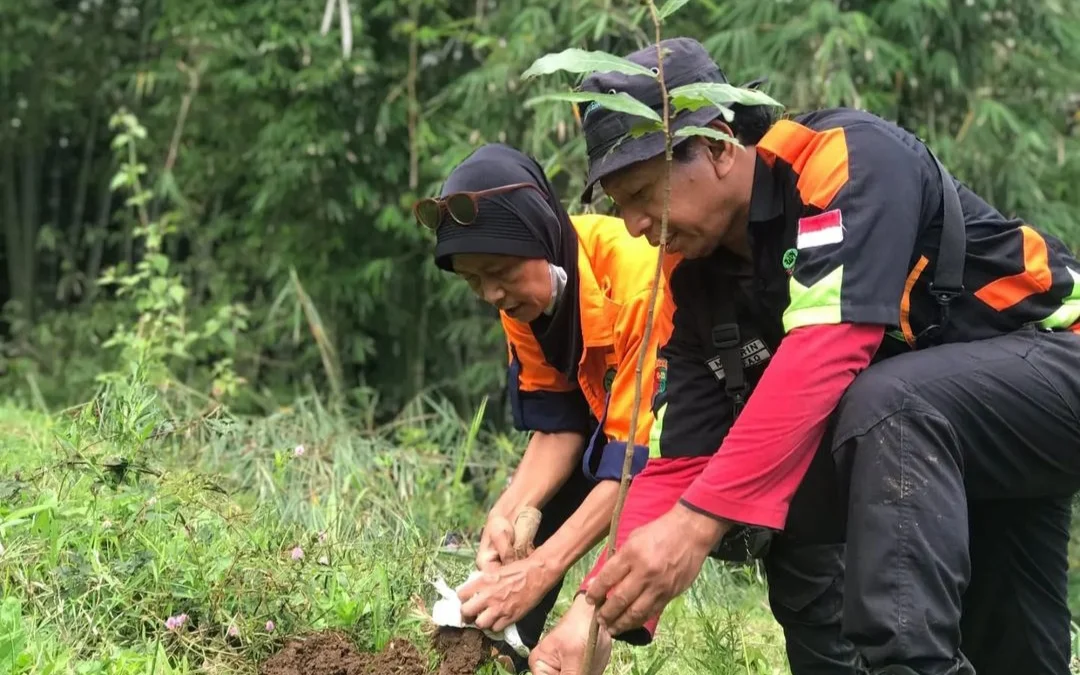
463 207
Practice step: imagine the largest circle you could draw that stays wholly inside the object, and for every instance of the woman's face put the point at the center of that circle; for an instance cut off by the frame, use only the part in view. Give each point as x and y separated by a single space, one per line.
520 287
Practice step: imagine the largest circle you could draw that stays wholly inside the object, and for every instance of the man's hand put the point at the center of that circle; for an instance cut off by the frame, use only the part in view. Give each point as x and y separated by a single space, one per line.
561 651
500 597
658 562
496 544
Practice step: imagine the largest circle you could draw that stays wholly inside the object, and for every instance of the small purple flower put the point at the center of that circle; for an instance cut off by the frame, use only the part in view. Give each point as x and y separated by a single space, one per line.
176 622
233 631
269 626
298 451
297 553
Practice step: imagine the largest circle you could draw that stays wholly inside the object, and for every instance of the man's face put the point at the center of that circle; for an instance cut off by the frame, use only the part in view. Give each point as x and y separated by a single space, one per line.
705 203
519 287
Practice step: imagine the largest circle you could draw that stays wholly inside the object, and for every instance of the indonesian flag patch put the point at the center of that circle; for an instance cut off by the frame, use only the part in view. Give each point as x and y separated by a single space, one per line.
820 230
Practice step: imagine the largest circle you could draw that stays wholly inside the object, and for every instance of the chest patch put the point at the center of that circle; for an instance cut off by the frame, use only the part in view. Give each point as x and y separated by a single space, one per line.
788 261
609 378
753 353
820 230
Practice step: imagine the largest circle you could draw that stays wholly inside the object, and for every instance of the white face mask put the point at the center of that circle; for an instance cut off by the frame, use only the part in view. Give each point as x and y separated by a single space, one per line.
558 285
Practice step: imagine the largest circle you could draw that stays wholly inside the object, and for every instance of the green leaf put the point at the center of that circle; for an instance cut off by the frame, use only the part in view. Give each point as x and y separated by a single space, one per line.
158 285
18 516
576 60
700 94
177 293
645 127
158 262
119 179
670 7
709 132
621 102
12 634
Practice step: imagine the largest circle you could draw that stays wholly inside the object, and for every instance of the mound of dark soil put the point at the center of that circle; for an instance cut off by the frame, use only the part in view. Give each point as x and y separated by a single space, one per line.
331 653
461 652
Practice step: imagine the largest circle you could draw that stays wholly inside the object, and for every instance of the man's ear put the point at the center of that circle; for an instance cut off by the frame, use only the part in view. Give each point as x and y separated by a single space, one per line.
722 153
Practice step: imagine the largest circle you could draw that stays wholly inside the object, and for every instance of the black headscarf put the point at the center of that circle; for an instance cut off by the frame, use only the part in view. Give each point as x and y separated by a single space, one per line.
519 223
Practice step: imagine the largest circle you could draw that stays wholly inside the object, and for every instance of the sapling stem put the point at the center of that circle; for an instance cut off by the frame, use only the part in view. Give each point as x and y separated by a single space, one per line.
628 455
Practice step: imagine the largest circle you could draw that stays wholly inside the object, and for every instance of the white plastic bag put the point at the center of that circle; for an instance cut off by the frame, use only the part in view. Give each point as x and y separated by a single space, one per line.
447 612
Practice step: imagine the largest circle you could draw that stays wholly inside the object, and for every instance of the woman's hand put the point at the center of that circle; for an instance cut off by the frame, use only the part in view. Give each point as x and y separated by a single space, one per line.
496 544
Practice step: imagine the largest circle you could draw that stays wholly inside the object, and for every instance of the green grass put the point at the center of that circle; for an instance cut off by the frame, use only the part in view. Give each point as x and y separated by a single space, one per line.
118 515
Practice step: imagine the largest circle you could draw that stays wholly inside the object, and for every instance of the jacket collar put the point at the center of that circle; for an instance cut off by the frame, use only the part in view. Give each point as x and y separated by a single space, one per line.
598 312
765 200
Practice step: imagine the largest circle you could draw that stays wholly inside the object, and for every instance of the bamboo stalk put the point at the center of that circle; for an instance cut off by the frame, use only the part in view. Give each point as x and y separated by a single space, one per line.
82 188
97 236
624 482
12 223
413 103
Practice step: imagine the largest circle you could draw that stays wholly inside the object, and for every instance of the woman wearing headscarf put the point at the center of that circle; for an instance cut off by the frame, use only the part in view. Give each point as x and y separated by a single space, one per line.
573 298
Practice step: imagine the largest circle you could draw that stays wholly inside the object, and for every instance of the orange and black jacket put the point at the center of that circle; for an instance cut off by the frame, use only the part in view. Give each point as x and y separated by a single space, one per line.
615 282
847 224
846 228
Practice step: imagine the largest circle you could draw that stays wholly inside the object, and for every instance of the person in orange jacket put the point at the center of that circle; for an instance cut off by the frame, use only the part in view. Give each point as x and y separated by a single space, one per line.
573 298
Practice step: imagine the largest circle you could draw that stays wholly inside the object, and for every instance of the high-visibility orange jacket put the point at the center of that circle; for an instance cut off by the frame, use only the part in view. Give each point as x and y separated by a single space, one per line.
615 280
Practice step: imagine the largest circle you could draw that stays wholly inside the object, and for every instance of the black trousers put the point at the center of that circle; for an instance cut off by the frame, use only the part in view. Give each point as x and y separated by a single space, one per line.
957 464
804 568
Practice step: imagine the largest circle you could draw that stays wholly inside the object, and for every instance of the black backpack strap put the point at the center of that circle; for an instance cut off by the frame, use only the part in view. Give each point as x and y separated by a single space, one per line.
948 280
742 544
727 340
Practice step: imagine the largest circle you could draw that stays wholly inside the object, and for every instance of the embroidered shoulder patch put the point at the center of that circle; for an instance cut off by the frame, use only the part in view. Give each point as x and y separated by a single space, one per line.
820 230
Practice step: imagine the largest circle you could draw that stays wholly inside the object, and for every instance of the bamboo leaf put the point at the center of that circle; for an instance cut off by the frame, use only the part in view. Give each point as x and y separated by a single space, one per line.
700 94
670 7
621 102
708 132
576 60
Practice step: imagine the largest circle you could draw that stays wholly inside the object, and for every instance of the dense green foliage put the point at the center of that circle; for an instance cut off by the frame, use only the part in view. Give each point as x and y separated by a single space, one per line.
271 206
118 519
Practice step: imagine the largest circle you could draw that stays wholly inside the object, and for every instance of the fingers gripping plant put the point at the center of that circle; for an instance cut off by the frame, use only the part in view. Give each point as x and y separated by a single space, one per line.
689 97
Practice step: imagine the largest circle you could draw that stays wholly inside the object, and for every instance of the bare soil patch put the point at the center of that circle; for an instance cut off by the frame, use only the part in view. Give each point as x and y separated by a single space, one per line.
461 652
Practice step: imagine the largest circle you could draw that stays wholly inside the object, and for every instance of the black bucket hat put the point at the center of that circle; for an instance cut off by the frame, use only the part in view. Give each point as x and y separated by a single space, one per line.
606 131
